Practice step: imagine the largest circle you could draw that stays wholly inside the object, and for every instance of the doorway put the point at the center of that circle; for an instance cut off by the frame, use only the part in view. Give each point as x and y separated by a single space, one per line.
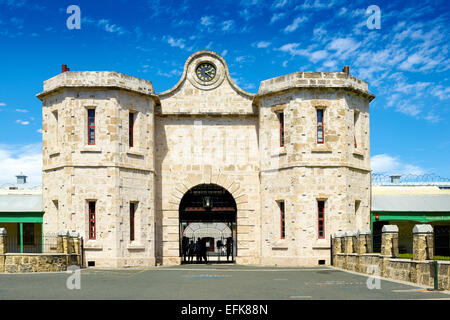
208 225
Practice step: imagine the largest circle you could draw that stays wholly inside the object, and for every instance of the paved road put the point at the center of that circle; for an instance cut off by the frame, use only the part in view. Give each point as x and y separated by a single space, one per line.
200 282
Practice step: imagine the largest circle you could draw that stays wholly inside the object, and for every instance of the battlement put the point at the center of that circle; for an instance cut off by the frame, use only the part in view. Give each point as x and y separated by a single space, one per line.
315 80
91 79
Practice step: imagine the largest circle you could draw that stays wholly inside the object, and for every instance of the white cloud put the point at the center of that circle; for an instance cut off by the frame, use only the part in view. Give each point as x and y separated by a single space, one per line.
227 25
22 110
206 21
112 28
16 159
276 17
170 74
384 163
180 43
443 93
291 48
24 123
295 24
343 47
318 55
316 4
2 104
261 44
280 3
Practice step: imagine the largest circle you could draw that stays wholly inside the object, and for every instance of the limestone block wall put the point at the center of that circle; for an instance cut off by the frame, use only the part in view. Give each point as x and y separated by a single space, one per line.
24 263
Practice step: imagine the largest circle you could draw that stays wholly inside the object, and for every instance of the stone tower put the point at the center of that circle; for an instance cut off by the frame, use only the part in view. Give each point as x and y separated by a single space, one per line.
119 160
90 168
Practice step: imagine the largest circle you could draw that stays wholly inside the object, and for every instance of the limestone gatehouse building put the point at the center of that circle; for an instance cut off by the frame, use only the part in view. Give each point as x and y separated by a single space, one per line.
135 171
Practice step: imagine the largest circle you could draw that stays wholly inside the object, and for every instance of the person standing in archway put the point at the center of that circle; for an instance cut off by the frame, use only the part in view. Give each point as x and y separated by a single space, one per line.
185 247
229 248
191 251
204 249
198 250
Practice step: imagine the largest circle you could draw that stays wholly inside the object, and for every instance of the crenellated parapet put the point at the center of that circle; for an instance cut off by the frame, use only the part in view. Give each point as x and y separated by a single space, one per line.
321 80
96 79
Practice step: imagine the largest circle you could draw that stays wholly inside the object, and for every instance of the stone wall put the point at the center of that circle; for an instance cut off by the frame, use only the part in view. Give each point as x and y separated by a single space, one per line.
420 269
68 253
21 263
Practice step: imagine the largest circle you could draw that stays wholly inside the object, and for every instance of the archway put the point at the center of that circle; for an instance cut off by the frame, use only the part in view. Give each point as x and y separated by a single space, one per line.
207 220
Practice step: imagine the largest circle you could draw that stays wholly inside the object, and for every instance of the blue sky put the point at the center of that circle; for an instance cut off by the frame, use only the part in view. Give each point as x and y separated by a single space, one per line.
406 61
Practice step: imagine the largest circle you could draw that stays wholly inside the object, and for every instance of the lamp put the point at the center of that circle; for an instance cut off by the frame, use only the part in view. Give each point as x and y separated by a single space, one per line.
207 203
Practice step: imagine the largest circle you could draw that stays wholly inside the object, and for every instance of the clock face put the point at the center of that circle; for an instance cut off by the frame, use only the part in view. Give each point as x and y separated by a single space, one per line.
206 71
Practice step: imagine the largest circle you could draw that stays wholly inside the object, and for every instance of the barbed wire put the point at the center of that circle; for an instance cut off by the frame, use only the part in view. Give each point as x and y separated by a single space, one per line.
410 178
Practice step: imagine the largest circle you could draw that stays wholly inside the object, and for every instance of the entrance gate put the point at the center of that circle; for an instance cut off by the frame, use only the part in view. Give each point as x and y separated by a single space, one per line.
207 225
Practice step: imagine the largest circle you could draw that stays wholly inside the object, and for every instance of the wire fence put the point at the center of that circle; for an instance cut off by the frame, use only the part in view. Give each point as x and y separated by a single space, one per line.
43 244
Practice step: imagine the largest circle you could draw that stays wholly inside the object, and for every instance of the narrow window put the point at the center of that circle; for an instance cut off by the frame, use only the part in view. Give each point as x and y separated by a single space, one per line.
132 212
55 115
131 119
320 137
321 219
355 126
91 126
92 227
357 203
280 116
282 220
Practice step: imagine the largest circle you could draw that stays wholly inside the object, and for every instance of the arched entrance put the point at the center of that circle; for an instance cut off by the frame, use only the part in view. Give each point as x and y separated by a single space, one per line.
207 225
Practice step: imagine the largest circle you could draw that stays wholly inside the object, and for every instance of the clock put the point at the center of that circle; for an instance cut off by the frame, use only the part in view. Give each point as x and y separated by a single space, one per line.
206 71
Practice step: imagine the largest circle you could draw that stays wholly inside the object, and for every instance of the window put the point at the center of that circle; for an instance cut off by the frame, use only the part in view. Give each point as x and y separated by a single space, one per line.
355 127
280 116
357 203
132 213
282 220
131 119
320 136
91 126
92 226
56 123
321 219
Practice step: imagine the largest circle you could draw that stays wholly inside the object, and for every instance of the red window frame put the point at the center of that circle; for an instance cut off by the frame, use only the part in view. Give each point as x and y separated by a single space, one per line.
131 128
320 126
321 219
91 126
282 220
92 225
281 120
132 214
